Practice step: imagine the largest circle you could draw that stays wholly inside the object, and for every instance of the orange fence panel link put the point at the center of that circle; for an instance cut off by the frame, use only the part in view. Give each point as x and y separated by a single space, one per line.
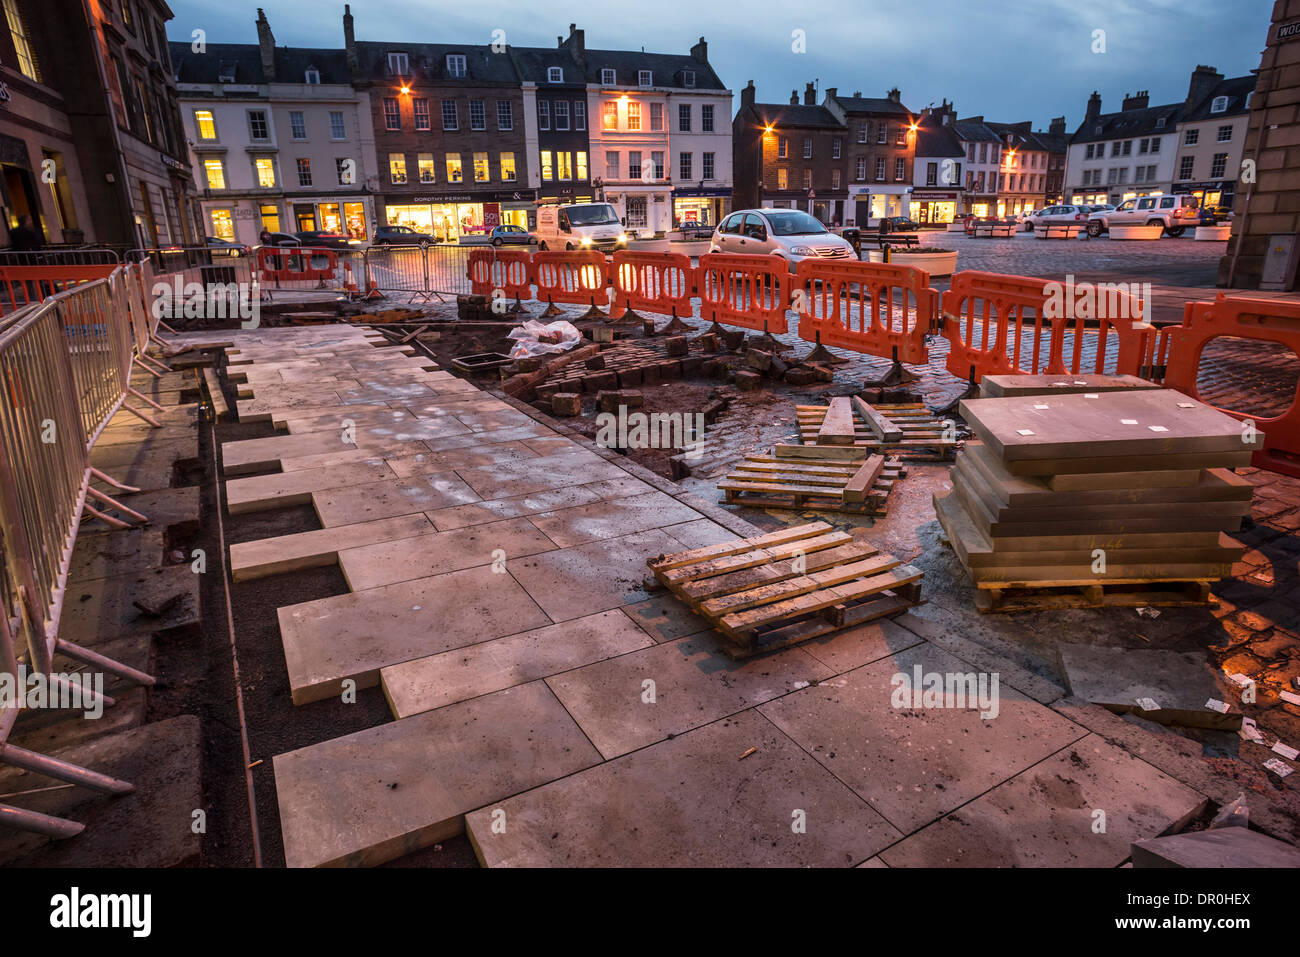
748 291
878 309
577 277
662 283
312 268
1006 325
23 285
1262 320
510 270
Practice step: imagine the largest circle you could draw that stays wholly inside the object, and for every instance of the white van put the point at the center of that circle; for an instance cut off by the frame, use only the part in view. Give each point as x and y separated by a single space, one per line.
580 226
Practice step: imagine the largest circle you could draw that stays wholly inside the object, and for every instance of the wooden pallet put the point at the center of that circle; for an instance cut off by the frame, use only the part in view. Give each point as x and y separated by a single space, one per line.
859 487
788 586
905 430
1000 597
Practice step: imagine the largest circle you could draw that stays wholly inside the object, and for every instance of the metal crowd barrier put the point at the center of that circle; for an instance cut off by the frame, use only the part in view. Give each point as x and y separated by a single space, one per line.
65 366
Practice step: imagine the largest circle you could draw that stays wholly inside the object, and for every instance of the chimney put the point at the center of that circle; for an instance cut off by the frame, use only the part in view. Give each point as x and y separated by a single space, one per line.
1057 125
350 40
794 97
1138 101
1204 79
700 51
576 44
831 92
1094 106
857 94
266 41
747 95
810 94
894 95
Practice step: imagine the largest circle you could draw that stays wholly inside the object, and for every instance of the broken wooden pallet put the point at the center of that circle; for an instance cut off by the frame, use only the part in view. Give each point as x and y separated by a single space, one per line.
860 487
997 597
907 430
788 586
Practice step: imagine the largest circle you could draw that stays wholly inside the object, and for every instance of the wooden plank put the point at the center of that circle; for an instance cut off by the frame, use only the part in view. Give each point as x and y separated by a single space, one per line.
800 585
750 558
885 430
219 406
780 537
837 427
817 600
856 489
836 491
833 484
698 593
830 453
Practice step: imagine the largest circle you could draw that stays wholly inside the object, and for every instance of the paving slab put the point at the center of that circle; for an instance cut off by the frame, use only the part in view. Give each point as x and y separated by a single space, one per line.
507 480
854 647
694 682
355 635
287 553
98 610
1223 847
130 550
693 801
378 794
435 552
423 684
1179 683
699 533
594 577
422 460
914 764
283 489
611 518
391 497
1047 816
666 617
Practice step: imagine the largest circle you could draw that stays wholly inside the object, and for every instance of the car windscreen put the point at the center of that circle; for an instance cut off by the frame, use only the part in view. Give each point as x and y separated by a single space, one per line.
592 214
794 223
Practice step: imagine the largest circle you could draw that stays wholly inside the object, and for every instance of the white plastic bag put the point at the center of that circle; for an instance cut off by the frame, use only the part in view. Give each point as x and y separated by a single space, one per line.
535 338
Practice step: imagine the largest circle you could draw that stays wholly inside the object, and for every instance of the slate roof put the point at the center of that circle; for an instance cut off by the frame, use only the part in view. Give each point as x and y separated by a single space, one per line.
868 104
244 62
428 61
933 138
794 115
1127 123
1236 89
666 68
532 63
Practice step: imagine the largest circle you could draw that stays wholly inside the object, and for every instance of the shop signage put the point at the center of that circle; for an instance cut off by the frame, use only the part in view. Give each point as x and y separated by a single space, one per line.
173 163
1289 31
706 191
487 196
5 95
932 194
1215 184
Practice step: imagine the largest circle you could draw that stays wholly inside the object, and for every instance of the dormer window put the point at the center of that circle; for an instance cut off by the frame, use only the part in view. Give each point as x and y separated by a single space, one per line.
398 64
688 77
1219 105
455 64
1096 131
1160 123
607 77
644 78
312 76
555 74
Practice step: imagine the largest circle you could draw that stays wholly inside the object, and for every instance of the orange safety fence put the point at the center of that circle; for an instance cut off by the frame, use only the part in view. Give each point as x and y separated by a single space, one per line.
577 277
662 283
510 270
752 292
1262 320
23 285
285 264
878 309
1005 325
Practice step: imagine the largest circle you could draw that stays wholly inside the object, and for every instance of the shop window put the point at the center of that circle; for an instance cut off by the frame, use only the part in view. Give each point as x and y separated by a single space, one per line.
397 168
420 109
508 167
425 163
636 212
222 220
205 124
330 222
215 171
481 171
354 216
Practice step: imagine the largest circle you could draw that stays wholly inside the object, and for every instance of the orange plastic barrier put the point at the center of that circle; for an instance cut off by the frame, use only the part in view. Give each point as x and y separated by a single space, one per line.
1264 320
576 277
510 270
281 264
23 285
879 309
662 283
752 292
1006 325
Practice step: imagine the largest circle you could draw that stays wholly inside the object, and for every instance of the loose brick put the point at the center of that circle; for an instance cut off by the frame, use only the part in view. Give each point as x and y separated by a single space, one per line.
566 403
747 381
678 345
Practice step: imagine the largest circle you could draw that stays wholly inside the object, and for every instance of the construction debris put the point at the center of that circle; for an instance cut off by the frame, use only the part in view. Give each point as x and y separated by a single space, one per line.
907 430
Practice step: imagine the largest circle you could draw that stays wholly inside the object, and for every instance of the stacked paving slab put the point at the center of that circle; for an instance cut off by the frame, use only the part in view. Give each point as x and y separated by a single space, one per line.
1095 489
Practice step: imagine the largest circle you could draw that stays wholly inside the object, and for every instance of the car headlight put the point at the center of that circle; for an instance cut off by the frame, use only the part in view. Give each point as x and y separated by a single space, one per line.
622 237
802 250
586 240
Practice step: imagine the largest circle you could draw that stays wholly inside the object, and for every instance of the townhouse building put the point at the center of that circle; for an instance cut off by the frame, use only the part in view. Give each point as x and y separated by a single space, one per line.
659 135
280 139
791 156
983 165
938 171
1212 136
554 86
1022 173
881 148
1057 143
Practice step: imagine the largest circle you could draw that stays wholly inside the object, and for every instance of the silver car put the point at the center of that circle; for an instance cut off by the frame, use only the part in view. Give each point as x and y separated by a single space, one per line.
788 234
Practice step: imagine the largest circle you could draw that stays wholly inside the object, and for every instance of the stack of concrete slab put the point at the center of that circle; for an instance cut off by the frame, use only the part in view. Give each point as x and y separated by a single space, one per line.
1123 497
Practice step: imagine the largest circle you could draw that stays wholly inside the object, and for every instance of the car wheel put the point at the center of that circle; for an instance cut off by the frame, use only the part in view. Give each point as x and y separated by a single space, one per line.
1094 228
541 247
1175 231
424 244
1029 227
497 241
568 247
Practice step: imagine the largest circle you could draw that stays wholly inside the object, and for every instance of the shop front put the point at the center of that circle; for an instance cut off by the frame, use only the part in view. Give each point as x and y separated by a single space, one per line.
867 205
350 217
452 217
647 210
934 206
700 206
1219 192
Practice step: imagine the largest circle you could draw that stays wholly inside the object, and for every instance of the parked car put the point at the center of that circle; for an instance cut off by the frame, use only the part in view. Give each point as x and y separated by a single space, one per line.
787 234
581 226
321 239
232 249
1174 212
1101 207
1068 214
1215 215
284 239
898 224
400 236
506 235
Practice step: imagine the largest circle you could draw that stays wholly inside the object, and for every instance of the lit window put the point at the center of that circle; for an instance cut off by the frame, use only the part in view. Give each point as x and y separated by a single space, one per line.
782 179
265 167
215 171
223 221
507 167
582 165
481 172
424 161
22 45
397 168
634 116
548 172
454 172
611 115
206 125
564 165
